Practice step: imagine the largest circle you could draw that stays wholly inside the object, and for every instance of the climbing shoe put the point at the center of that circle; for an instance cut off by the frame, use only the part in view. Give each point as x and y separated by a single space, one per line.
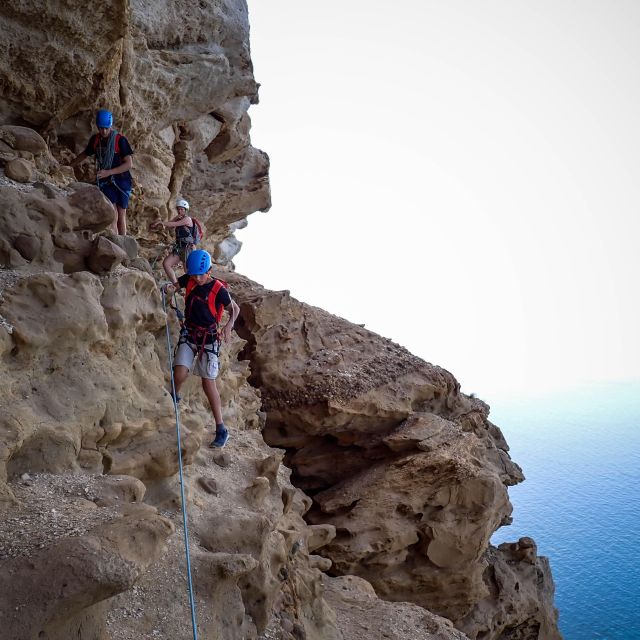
178 396
222 435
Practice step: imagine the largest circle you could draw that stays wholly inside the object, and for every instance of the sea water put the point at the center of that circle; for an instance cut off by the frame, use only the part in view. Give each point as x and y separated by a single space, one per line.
580 453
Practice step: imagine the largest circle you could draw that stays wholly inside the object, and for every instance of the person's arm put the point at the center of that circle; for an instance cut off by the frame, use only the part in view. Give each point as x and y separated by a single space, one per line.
78 159
169 289
233 314
174 222
159 224
127 163
174 287
88 151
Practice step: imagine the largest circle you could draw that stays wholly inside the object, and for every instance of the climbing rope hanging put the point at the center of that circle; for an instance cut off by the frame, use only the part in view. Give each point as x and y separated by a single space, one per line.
182 500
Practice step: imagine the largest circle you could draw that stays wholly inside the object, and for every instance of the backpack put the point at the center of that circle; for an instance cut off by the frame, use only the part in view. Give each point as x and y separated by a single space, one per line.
216 312
196 231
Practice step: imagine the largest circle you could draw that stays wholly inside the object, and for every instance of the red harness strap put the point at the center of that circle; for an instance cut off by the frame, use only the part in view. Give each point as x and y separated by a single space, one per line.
197 333
96 142
211 300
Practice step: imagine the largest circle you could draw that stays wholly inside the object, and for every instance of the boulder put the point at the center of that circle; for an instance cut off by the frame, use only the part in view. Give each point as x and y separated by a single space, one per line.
105 255
127 243
20 170
95 211
28 246
23 139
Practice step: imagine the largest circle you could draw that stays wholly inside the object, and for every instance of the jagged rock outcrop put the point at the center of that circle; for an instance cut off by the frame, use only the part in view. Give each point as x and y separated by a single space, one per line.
53 229
63 557
361 614
84 396
179 79
404 477
409 471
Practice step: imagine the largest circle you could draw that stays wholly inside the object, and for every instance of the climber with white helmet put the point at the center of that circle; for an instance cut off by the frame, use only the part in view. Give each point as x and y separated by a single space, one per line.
206 298
188 234
113 155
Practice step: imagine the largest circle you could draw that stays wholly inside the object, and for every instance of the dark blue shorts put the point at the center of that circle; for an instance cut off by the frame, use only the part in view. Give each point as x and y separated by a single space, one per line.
116 194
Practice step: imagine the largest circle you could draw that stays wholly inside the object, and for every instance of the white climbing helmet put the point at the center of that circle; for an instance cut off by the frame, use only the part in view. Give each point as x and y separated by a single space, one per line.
182 203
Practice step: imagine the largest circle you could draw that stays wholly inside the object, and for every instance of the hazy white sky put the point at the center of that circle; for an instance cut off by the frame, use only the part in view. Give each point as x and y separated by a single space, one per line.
462 177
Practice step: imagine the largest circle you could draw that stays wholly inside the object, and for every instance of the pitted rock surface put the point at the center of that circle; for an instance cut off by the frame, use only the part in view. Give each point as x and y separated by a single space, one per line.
361 614
409 471
179 79
88 434
406 477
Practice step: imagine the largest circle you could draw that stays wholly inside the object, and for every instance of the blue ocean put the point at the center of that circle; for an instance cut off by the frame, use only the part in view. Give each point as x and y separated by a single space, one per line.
580 453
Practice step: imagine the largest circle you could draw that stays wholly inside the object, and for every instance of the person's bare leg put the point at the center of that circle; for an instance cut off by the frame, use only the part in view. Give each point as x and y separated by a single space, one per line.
122 220
211 391
168 264
180 374
114 226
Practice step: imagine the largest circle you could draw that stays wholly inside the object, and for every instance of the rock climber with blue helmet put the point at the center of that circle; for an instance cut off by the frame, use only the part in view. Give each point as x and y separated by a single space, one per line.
113 155
198 348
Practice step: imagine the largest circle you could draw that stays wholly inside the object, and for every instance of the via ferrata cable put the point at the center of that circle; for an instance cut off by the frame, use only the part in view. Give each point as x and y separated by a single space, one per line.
182 500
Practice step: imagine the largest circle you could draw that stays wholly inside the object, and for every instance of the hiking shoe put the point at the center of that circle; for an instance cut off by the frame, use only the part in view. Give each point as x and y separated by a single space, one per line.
220 440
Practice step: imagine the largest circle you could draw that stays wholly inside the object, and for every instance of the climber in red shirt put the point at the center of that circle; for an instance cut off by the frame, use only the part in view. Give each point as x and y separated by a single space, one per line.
198 347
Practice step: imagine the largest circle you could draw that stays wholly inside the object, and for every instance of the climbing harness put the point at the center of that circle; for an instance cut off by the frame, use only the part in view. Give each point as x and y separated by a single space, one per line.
111 181
182 499
186 240
196 335
187 236
182 249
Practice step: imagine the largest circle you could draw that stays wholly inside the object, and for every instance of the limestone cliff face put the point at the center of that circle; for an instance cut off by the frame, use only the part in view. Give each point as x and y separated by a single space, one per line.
360 488
409 471
176 74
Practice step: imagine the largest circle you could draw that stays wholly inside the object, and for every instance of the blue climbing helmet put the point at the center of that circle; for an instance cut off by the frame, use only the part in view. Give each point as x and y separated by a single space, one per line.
198 262
104 118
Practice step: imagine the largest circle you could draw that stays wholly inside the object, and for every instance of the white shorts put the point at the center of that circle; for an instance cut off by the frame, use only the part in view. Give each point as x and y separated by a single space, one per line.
206 366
